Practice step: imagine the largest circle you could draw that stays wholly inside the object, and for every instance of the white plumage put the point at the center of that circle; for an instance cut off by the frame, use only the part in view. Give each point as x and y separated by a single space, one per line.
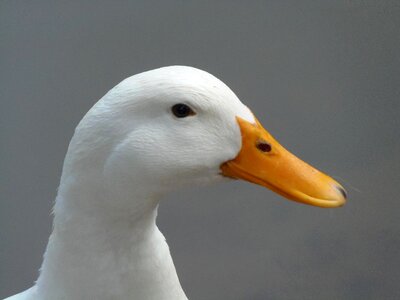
127 152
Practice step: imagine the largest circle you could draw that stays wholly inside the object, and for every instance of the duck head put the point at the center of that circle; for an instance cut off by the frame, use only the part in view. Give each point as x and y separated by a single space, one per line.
180 126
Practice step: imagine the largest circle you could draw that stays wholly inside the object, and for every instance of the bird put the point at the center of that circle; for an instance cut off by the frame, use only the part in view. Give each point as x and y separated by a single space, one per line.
153 133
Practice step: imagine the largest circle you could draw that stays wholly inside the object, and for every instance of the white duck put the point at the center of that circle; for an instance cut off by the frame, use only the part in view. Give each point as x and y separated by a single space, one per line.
154 132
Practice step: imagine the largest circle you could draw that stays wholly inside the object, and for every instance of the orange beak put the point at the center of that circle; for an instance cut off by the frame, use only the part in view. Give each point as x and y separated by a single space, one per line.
262 160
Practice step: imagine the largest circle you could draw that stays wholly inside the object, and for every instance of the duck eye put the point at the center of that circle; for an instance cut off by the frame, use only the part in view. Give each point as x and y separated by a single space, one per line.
181 110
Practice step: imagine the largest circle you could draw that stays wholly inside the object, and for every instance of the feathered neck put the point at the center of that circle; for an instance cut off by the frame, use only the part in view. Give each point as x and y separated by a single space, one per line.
98 253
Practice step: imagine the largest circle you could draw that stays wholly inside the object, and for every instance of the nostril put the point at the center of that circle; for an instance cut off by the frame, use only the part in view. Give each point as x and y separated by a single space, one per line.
342 191
263 146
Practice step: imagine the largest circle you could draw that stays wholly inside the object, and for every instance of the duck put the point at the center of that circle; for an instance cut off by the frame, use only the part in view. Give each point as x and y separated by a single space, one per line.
153 133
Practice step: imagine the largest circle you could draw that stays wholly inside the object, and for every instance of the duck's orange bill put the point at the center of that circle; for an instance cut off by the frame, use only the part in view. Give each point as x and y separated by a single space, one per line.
262 160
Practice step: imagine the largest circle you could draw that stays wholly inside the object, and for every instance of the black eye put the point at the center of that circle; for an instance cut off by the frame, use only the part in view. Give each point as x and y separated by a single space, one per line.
181 110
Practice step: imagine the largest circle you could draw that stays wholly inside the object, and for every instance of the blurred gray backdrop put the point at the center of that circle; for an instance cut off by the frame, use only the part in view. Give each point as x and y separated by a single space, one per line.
323 77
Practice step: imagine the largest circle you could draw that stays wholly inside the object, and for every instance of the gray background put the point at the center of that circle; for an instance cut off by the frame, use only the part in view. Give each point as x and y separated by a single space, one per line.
322 76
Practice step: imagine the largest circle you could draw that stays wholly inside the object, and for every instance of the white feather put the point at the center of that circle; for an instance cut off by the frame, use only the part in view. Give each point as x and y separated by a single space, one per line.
126 153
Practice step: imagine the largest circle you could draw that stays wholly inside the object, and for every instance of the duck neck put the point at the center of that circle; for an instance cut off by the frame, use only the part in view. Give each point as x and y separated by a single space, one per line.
96 252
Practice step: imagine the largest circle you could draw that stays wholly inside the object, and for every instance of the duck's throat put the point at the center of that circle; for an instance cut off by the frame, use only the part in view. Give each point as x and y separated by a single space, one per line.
96 256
